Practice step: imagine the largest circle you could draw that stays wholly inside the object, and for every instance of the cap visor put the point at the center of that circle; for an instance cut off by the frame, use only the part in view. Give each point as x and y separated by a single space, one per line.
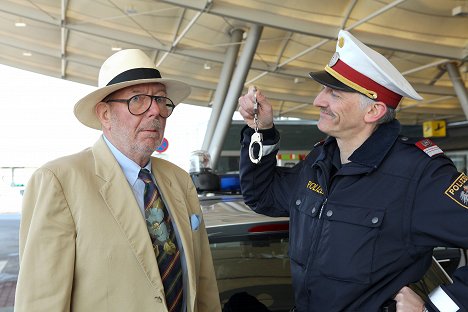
328 80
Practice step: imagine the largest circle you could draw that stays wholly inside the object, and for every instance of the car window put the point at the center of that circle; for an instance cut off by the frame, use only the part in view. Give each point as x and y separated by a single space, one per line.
257 265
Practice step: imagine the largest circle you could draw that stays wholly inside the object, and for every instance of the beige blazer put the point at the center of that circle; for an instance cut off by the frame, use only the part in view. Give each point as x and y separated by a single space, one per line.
84 245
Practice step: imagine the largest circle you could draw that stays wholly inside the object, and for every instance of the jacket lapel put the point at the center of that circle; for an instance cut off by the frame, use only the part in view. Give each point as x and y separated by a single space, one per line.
180 215
121 202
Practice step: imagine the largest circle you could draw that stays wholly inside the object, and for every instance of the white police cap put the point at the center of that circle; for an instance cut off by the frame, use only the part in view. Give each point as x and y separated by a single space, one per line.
356 67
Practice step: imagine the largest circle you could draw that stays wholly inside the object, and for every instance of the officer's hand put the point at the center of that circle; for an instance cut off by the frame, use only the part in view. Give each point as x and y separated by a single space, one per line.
265 111
408 301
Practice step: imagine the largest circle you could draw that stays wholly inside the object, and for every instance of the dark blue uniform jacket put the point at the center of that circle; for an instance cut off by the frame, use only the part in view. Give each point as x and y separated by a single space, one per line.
361 231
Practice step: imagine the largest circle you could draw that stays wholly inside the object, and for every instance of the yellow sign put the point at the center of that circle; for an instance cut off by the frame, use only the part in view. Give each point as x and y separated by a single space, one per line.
434 128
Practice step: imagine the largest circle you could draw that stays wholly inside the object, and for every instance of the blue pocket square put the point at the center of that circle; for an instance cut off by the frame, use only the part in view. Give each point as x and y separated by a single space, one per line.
195 221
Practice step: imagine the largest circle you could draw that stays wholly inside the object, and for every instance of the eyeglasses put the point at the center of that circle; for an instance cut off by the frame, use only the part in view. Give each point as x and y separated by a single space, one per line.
140 103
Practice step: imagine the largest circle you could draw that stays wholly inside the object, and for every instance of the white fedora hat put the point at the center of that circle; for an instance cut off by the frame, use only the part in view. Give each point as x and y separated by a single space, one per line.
123 69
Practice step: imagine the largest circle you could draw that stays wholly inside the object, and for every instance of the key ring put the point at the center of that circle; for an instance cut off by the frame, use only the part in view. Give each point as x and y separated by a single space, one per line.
257 137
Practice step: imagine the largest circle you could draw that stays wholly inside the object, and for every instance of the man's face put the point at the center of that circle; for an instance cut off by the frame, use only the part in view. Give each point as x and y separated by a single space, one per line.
136 136
341 115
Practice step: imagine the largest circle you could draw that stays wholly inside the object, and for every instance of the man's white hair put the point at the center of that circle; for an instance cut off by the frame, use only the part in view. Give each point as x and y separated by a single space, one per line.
389 115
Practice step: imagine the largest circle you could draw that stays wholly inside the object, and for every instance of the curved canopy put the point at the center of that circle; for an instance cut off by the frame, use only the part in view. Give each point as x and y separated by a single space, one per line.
190 39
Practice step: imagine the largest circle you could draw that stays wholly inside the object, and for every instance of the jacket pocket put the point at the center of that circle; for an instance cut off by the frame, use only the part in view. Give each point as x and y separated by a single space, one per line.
349 234
303 216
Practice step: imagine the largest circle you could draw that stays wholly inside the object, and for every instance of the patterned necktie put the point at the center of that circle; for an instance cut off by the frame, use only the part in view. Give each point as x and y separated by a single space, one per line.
164 242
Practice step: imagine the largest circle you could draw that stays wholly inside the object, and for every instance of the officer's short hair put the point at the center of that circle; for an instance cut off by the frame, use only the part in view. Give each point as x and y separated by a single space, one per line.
389 115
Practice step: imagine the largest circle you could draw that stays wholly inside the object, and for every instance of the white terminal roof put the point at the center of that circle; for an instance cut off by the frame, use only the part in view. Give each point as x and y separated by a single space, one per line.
189 40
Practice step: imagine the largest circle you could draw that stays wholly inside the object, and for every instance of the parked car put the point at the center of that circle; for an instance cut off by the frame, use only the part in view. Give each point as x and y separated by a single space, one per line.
250 254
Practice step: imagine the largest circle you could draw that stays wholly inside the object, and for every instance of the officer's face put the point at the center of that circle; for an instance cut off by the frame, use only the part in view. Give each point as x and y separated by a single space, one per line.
341 115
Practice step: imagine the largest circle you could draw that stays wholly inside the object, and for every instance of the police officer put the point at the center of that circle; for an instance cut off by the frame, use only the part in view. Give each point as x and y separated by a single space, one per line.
367 206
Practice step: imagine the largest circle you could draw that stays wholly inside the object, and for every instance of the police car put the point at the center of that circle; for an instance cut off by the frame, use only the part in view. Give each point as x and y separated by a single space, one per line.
250 252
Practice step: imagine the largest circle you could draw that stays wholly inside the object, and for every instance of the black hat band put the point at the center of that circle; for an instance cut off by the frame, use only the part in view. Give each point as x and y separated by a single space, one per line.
135 74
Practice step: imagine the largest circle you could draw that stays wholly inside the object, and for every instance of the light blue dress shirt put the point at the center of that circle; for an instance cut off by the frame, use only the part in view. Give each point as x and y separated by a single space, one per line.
131 170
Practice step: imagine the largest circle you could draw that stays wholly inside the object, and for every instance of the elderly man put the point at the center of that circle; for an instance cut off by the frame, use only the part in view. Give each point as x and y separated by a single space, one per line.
367 205
112 228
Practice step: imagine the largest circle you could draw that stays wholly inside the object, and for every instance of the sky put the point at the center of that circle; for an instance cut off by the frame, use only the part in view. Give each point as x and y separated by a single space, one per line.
37 123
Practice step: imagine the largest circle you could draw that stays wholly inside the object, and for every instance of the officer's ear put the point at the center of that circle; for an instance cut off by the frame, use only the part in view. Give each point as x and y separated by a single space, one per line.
375 111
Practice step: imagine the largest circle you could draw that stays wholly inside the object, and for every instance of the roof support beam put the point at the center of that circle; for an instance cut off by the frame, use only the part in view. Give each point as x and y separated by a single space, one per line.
321 43
186 29
151 44
237 84
38 49
419 103
282 48
459 87
64 38
292 24
279 96
223 85
317 29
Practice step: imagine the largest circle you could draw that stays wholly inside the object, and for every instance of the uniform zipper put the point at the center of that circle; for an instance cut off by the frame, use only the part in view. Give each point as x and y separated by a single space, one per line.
322 207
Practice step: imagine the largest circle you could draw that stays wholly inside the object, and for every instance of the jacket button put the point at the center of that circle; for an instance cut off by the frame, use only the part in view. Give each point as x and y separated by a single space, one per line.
314 210
375 220
298 202
404 139
329 213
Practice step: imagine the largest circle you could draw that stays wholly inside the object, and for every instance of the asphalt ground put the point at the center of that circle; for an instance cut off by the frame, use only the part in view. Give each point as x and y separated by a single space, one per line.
9 264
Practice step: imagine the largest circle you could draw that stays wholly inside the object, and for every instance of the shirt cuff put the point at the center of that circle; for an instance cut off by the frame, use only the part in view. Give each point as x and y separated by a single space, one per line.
268 149
271 139
442 301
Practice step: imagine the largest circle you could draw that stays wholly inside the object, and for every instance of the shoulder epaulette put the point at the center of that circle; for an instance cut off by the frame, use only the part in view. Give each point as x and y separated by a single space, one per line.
428 147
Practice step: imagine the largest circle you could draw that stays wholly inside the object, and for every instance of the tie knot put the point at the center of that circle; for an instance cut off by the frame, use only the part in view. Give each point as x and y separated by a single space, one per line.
145 175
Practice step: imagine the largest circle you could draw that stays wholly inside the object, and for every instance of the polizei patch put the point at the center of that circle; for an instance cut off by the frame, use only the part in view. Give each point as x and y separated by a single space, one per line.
458 190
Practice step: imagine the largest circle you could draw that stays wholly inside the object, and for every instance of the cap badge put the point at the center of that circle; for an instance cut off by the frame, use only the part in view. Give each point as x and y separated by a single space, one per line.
426 143
334 59
341 42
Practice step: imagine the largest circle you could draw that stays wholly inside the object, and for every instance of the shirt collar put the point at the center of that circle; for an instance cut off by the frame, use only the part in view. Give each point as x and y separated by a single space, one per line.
130 168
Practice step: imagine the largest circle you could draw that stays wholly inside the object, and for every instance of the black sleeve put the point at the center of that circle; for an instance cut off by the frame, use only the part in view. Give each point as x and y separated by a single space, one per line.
265 187
440 218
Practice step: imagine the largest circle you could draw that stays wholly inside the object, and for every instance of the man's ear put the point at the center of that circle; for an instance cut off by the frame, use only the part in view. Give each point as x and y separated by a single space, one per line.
102 110
375 112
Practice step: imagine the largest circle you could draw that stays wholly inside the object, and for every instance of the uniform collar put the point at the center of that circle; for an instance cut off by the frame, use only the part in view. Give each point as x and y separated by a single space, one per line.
372 152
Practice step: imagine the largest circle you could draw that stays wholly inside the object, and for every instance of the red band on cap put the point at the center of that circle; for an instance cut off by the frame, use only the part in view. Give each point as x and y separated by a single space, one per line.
385 95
